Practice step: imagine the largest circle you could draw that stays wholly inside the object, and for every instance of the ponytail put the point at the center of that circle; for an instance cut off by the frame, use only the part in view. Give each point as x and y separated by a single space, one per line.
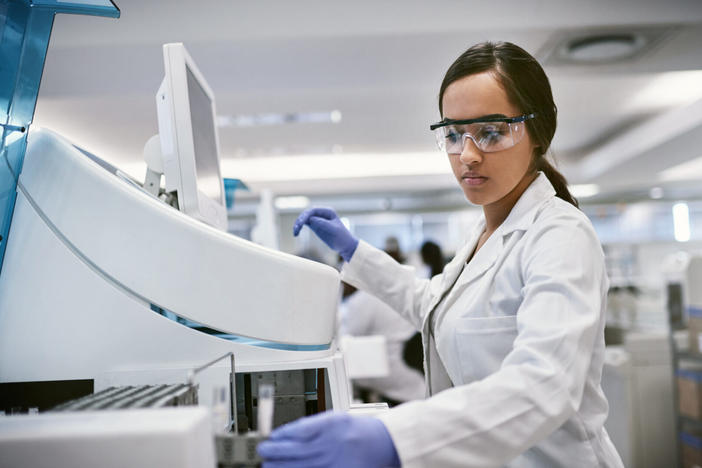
557 180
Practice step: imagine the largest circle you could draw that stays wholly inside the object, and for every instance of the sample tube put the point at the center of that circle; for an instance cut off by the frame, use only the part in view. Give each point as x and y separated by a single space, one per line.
265 409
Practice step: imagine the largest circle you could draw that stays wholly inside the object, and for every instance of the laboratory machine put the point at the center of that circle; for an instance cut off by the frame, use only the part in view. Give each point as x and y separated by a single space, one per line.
108 283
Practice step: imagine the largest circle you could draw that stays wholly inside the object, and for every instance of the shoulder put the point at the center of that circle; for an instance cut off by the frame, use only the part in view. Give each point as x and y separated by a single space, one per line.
561 233
559 217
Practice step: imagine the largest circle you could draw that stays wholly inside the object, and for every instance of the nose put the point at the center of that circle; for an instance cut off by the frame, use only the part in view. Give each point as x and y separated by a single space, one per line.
470 154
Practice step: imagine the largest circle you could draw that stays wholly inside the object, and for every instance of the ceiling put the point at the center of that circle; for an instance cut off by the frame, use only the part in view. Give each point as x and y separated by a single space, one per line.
626 126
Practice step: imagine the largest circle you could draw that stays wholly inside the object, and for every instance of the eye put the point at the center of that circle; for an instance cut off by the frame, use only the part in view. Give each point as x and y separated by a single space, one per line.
452 136
491 133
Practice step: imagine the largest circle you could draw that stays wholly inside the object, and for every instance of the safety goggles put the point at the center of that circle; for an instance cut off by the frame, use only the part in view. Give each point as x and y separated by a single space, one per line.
489 133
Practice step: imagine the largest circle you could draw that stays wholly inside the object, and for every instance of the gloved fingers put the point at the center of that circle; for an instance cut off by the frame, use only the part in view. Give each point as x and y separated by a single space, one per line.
284 464
293 464
284 450
320 225
301 221
324 212
303 429
321 212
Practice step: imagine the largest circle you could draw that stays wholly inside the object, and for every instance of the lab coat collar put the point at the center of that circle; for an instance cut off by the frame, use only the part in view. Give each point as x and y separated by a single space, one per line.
520 218
525 210
483 259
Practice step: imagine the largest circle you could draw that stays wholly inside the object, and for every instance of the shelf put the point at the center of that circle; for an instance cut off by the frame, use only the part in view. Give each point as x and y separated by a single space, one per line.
696 423
688 356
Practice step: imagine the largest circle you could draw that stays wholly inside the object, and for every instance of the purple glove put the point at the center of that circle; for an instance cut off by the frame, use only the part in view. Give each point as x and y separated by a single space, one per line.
335 440
326 224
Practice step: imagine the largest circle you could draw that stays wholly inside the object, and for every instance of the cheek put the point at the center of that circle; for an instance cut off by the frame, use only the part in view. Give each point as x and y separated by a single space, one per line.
455 165
519 161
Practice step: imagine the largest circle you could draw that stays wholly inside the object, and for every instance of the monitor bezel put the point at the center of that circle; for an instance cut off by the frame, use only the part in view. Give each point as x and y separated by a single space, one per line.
177 142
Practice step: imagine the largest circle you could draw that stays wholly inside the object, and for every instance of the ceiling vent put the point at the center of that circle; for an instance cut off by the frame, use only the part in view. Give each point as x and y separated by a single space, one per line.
602 45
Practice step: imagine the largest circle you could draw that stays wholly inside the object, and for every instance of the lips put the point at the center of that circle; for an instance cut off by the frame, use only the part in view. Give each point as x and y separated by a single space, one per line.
471 178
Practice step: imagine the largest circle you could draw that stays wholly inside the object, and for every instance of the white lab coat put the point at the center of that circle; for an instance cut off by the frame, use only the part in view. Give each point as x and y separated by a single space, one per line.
363 314
514 373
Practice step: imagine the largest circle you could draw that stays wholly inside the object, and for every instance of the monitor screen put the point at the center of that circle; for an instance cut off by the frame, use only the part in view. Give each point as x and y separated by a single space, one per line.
204 140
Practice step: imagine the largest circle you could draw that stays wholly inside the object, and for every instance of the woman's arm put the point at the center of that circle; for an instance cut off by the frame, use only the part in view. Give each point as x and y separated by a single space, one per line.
371 269
377 273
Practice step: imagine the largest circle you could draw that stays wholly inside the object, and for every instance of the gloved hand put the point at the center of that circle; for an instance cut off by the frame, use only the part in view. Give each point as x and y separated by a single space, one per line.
330 439
328 227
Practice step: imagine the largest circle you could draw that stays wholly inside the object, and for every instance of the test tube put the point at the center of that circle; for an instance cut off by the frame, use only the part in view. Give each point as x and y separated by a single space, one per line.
220 412
265 409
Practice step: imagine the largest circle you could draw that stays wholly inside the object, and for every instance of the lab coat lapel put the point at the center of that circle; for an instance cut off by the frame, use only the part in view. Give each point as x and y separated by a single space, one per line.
437 378
453 270
520 218
483 258
524 211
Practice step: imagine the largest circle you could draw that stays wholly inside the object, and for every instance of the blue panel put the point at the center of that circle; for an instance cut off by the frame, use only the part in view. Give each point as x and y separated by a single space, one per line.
230 186
693 440
25 28
23 44
82 7
12 156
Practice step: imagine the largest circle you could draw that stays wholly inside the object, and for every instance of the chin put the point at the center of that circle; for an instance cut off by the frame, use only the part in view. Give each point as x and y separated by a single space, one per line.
476 198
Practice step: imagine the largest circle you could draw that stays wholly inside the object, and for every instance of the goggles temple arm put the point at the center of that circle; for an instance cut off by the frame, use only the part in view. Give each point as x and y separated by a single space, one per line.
446 122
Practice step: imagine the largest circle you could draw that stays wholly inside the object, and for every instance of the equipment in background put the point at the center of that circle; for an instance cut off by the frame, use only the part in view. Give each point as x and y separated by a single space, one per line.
266 231
652 402
637 381
617 386
683 273
692 304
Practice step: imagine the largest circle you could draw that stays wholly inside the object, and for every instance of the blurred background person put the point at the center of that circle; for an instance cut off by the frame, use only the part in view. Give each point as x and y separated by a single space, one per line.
362 314
432 258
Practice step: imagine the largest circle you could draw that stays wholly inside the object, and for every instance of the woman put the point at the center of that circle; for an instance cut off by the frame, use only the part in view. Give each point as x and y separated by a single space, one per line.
513 328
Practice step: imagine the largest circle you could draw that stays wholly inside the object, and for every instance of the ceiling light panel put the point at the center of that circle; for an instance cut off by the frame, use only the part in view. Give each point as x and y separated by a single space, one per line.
269 119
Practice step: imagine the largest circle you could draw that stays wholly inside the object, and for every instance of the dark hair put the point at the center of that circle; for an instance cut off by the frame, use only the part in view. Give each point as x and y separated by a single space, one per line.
527 87
432 256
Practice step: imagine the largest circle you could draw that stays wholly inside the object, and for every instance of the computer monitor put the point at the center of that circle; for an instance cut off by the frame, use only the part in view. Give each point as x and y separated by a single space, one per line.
189 141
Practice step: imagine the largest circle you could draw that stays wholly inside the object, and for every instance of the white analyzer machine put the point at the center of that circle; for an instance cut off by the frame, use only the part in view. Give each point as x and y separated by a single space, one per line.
106 284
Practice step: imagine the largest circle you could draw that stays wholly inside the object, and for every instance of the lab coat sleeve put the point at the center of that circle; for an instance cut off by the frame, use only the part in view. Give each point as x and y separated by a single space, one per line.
540 383
377 273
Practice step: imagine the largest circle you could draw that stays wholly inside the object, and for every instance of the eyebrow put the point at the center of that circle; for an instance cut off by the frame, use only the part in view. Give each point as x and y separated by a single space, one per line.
489 116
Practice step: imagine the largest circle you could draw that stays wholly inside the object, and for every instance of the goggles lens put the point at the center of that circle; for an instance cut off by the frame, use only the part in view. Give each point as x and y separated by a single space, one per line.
489 137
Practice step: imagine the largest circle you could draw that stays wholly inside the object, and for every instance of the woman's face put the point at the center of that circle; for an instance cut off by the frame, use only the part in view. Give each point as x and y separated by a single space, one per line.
486 178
